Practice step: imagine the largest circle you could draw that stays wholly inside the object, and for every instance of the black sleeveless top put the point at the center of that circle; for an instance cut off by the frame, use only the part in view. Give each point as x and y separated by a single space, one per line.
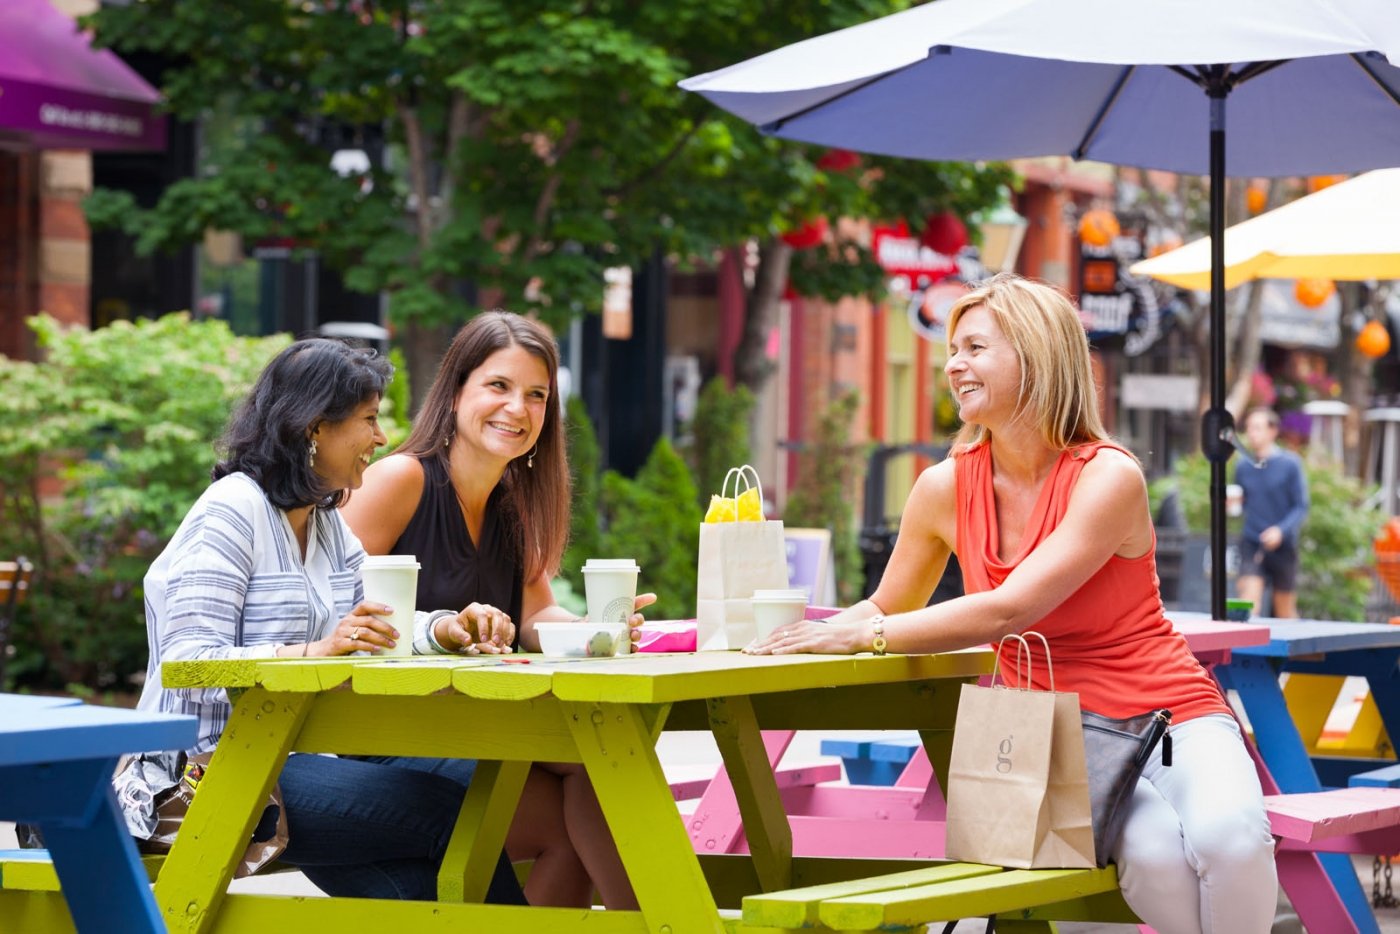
455 570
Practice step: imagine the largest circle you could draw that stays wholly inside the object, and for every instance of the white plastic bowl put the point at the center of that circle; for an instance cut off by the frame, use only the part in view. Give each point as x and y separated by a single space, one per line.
582 639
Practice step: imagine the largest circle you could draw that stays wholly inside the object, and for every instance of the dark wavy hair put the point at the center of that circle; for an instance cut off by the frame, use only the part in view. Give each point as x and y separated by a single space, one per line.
311 381
538 496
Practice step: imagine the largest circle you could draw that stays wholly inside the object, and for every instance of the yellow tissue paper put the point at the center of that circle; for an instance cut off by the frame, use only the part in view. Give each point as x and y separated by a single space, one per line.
750 507
721 509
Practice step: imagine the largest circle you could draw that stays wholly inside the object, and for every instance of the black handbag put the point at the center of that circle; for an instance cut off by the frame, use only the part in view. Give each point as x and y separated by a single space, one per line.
1116 751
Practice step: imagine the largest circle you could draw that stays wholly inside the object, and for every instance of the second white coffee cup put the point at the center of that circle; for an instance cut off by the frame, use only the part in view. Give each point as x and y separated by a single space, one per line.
775 608
610 588
393 579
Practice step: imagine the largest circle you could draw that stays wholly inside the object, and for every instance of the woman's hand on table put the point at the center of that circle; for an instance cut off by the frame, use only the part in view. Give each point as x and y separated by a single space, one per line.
360 630
813 635
636 620
479 628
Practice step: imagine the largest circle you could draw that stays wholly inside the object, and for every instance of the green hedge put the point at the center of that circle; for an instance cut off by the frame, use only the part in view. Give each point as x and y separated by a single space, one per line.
104 446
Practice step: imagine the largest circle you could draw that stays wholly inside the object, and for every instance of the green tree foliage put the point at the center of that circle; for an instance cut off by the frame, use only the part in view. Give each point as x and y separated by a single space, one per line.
825 491
125 418
585 539
1334 546
720 433
654 519
394 410
532 144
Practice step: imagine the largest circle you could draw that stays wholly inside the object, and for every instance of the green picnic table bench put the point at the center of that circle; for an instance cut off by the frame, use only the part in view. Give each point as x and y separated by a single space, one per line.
1023 900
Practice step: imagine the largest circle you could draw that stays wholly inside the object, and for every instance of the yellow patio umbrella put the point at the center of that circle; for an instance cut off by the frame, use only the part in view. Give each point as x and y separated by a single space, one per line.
1350 230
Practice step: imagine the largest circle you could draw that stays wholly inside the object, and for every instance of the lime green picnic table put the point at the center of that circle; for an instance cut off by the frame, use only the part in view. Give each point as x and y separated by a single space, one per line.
604 713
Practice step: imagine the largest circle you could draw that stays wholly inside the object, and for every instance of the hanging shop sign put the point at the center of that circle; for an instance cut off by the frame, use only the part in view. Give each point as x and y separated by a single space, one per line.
928 308
902 255
1114 306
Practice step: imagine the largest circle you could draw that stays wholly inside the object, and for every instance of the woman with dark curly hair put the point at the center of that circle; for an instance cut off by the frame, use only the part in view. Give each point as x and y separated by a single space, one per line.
263 565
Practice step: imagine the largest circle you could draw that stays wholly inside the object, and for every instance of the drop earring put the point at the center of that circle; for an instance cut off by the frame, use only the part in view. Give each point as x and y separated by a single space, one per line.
451 432
311 454
530 458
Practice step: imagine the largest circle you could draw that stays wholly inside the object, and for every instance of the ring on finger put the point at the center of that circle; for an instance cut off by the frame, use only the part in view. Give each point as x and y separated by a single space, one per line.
355 636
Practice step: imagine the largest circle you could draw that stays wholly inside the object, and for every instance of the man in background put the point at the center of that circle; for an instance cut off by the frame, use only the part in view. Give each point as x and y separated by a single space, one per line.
1275 505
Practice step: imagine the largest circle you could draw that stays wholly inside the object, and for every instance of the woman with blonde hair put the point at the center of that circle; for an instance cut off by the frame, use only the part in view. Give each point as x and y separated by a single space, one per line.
1050 523
479 492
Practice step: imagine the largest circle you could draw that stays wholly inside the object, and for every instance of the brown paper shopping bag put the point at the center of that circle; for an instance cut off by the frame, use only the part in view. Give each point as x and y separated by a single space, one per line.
1018 789
736 558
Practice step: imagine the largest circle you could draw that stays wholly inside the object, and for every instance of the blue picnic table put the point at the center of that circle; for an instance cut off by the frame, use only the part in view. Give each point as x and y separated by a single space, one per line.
1368 650
57 756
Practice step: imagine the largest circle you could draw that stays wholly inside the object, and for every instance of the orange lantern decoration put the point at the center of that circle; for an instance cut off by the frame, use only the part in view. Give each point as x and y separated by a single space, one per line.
1255 198
944 233
807 236
1319 182
1374 340
1098 227
1311 293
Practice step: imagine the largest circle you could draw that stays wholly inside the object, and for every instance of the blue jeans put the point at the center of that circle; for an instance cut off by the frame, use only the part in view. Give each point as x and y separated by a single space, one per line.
376 827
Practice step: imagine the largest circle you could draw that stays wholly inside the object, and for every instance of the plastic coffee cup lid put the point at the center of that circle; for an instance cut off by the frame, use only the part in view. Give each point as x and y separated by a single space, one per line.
783 596
392 561
610 564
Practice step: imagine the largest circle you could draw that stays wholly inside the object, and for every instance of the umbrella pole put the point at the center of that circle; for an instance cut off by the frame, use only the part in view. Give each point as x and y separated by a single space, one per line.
1217 425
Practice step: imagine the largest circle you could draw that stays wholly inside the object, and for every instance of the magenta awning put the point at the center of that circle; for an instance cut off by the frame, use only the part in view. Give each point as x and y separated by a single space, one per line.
57 92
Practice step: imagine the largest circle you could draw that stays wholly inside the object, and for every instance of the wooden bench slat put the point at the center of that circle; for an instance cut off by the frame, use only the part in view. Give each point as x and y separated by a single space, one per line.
972 897
1322 814
787 777
799 907
32 870
1386 777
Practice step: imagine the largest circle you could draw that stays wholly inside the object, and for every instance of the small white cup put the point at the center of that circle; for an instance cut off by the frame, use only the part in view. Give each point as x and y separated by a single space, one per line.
610 588
773 609
393 579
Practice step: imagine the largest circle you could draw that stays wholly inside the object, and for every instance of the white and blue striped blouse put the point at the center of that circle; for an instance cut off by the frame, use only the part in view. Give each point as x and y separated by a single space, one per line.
231 584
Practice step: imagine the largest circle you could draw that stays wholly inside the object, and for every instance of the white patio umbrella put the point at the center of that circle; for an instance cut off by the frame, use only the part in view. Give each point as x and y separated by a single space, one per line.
1350 231
1312 87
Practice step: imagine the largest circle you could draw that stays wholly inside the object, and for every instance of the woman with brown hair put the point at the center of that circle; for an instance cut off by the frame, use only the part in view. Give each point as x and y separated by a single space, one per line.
480 494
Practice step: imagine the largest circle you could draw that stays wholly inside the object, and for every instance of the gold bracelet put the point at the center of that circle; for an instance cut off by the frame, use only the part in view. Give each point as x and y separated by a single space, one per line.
877 623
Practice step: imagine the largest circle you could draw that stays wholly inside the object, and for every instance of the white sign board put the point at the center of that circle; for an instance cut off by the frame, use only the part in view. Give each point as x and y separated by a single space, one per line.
1161 391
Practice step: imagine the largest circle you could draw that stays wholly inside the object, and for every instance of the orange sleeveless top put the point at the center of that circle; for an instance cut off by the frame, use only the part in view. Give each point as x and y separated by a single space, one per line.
1109 640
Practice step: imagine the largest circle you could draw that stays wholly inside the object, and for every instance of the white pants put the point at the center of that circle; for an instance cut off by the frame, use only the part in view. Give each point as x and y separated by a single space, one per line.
1196 855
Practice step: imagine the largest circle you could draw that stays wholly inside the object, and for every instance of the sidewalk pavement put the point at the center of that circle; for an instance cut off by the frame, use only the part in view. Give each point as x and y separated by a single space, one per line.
687 755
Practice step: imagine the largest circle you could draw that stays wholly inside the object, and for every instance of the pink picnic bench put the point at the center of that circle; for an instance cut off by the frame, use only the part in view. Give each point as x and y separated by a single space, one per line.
1343 820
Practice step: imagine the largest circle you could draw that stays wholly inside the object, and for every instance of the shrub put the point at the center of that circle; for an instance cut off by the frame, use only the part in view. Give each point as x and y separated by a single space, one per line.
654 519
1334 545
720 433
825 491
584 537
123 420
394 410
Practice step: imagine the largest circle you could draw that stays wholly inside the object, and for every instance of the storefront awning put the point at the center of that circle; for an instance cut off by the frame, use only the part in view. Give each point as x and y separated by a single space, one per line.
57 92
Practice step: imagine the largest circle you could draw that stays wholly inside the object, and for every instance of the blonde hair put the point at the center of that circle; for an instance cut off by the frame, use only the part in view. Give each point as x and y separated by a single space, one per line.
1058 394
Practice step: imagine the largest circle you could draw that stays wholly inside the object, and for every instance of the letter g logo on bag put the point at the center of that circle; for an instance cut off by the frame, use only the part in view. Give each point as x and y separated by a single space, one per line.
1004 757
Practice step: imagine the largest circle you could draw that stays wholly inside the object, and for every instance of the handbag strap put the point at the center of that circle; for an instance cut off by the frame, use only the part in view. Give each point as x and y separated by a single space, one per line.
1023 650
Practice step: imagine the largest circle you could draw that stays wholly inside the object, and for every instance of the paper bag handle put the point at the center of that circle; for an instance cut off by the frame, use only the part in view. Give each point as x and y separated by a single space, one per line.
746 475
1023 649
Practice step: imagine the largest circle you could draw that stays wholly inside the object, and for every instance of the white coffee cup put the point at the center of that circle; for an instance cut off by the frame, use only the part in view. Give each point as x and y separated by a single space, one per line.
393 579
610 588
773 609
